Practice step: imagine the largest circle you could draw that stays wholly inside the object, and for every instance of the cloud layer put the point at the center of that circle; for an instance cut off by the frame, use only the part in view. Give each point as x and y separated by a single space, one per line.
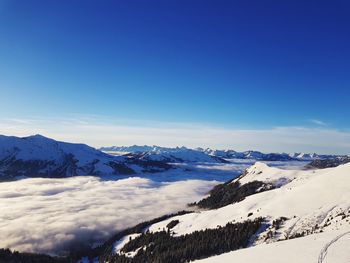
50 215
98 131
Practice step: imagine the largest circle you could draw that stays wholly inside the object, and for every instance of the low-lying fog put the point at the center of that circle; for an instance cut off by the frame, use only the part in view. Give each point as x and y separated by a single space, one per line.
50 215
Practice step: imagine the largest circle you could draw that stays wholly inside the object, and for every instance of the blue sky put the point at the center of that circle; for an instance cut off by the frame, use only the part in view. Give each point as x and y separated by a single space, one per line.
240 65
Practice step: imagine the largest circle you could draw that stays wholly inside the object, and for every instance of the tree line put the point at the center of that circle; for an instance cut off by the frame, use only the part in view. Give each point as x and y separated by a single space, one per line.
163 247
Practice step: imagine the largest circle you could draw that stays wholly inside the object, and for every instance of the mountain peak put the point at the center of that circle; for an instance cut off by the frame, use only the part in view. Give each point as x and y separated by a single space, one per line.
37 136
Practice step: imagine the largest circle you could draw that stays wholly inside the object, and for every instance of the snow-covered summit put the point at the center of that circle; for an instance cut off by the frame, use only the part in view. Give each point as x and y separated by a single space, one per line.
130 149
176 155
310 156
38 147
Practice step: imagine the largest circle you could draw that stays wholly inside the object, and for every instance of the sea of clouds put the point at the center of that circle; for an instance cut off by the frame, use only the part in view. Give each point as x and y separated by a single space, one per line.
52 215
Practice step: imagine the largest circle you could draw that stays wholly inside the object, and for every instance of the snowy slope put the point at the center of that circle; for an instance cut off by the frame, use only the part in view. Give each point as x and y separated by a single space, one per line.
40 156
306 209
330 247
307 198
41 148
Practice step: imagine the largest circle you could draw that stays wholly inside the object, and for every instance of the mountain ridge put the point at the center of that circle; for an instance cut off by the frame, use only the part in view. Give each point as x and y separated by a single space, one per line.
225 154
39 156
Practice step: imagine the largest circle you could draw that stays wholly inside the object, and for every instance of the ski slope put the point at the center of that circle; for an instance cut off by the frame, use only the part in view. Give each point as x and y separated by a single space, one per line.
331 247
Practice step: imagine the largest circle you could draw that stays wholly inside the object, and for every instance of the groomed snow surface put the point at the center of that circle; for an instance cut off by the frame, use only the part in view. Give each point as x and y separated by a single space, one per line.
312 248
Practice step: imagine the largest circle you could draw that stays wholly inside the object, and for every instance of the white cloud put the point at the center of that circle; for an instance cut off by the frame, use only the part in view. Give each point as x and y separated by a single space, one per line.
318 122
49 215
98 131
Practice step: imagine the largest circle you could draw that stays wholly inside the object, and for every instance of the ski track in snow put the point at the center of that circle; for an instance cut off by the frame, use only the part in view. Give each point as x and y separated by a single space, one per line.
323 254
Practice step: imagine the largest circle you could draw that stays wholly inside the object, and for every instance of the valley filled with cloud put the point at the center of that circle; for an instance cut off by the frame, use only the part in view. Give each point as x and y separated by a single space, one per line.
53 215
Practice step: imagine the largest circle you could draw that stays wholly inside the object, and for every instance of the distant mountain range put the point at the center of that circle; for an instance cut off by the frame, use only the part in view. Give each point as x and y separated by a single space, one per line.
175 155
38 156
183 154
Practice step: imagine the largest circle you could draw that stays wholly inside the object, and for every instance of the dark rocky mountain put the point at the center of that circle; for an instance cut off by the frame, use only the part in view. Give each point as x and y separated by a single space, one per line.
328 163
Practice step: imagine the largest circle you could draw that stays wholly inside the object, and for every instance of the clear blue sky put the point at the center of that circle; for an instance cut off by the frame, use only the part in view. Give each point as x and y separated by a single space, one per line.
255 64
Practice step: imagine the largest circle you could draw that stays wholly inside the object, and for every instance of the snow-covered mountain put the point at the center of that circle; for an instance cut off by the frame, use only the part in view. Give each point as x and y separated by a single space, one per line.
171 155
38 156
177 155
312 156
134 149
256 155
186 154
286 212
